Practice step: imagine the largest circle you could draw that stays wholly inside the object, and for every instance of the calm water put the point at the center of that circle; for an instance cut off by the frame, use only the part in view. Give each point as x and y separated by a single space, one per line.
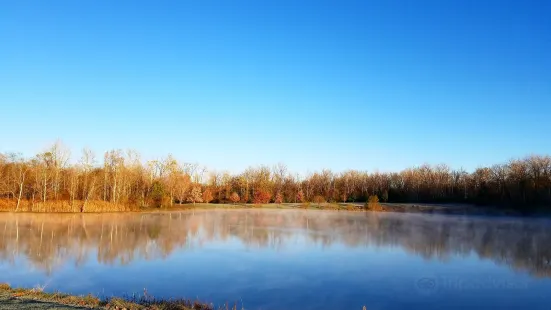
282 259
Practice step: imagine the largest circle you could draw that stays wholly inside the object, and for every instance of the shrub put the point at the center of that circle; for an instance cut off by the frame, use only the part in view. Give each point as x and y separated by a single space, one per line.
234 197
262 196
319 200
245 197
207 196
373 204
300 196
158 194
278 198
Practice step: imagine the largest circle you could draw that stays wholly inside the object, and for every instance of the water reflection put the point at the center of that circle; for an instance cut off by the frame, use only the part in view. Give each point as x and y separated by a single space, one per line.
47 241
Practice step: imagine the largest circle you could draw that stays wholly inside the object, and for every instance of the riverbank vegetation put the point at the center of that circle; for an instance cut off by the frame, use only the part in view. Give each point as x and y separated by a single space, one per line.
121 181
142 302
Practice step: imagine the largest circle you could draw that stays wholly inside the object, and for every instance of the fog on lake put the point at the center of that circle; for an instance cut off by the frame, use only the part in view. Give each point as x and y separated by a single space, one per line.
286 259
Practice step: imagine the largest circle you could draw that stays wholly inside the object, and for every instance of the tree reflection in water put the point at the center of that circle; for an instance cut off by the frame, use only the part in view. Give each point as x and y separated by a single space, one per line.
48 241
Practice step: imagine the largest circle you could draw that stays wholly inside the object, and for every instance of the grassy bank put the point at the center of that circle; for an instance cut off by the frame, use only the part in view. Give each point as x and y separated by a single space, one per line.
457 209
77 206
102 207
22 298
36 298
67 206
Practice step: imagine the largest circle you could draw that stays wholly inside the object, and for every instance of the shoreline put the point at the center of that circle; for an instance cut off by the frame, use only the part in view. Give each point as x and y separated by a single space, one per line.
36 298
417 208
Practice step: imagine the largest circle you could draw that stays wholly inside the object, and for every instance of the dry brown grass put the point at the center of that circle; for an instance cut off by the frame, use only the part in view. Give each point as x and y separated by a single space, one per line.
329 206
145 302
351 208
59 298
98 206
61 206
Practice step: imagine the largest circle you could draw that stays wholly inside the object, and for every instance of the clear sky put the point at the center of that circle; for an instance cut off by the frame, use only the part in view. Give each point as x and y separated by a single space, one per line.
313 84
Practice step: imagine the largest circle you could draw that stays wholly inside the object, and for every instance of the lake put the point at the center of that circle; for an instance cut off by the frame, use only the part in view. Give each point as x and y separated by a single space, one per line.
286 259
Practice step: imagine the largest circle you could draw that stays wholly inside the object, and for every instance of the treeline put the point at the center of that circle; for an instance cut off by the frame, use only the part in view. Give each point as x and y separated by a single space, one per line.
122 178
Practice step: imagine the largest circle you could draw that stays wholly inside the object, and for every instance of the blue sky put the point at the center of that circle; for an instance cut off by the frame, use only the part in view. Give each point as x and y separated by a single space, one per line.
314 84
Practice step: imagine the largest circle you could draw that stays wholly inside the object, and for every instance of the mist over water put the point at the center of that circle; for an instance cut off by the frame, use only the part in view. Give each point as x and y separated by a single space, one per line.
286 259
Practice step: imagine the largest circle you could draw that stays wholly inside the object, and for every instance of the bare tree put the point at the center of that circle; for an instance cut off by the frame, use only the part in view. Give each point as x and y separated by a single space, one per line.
195 195
19 175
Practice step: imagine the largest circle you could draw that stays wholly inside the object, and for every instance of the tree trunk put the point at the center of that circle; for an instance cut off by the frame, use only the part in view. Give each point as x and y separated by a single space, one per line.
19 197
44 188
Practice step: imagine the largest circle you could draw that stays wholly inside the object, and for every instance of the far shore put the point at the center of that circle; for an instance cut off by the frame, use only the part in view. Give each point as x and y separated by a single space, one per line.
425 208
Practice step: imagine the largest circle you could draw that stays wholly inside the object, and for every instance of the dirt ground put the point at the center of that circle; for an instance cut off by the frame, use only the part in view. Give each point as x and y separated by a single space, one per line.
9 303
